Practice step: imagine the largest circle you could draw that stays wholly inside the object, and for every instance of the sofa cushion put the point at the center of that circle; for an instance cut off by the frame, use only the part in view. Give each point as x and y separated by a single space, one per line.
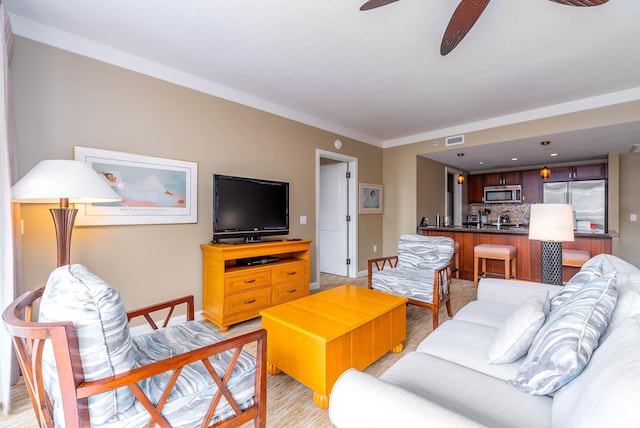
485 312
516 334
585 275
628 303
467 344
97 311
565 343
607 392
485 399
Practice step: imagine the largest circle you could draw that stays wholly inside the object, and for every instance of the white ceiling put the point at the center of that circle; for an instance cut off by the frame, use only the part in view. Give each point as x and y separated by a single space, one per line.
375 76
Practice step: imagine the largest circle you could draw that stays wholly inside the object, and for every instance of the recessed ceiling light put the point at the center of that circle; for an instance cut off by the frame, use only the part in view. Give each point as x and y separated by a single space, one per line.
545 143
460 155
481 163
553 154
514 159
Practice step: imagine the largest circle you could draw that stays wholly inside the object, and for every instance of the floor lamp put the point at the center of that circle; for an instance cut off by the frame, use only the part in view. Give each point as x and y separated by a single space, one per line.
552 224
63 181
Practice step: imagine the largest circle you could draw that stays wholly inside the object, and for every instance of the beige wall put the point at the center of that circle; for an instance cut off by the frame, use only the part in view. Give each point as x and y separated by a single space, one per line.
400 166
429 203
63 100
629 242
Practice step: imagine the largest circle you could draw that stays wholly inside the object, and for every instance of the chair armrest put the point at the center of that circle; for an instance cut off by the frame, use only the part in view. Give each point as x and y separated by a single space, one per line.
379 264
512 291
169 304
361 400
175 364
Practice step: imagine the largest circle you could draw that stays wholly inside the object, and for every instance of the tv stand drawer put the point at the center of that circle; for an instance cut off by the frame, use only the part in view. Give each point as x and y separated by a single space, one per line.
247 280
290 291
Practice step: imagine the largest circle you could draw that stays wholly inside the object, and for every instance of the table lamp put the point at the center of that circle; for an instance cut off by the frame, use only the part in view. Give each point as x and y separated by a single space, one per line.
66 181
552 224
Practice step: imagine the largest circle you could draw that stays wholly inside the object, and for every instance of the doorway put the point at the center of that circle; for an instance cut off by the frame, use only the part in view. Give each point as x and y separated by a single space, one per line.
336 214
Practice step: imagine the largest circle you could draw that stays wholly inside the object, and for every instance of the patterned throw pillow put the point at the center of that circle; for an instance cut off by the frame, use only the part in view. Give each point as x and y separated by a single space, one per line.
96 309
563 346
515 335
578 280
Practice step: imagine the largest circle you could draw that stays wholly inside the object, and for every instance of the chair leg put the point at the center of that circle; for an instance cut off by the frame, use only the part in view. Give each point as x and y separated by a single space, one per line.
513 267
507 268
475 271
434 316
449 312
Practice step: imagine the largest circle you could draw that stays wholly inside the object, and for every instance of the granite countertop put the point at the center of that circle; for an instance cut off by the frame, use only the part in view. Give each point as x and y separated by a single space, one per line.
519 230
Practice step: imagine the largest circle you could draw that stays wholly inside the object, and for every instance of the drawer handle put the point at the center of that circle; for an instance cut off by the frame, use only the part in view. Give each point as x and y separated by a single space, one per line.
293 272
250 301
293 290
249 281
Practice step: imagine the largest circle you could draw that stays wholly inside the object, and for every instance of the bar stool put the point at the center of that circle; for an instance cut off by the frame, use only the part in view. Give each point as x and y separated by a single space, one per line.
456 255
574 258
506 253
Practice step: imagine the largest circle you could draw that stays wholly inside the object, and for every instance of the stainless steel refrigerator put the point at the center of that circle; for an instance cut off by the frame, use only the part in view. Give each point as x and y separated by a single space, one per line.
588 198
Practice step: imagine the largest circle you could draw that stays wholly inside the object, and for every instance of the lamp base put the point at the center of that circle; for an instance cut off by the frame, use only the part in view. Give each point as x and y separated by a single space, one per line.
63 219
551 262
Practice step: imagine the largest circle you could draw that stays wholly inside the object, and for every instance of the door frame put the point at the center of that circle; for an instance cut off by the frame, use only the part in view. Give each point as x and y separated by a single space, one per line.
352 251
457 196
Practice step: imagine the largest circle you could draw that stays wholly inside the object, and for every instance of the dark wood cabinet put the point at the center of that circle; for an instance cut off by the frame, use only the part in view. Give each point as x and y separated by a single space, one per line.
503 178
578 172
475 188
531 186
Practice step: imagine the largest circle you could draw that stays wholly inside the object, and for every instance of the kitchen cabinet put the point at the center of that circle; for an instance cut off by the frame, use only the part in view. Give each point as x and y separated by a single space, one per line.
532 186
475 188
578 172
503 178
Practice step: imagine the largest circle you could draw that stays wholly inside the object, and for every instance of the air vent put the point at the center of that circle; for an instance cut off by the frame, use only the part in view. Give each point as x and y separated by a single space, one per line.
454 141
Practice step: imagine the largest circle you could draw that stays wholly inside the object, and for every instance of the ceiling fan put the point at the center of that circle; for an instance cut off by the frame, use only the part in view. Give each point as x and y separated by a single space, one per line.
466 15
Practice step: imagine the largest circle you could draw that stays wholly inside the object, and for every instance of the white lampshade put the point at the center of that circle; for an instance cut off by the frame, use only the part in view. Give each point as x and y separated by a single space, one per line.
52 180
551 222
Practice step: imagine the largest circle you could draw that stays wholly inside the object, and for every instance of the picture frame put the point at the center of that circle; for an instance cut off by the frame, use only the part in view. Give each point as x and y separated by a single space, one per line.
153 190
370 198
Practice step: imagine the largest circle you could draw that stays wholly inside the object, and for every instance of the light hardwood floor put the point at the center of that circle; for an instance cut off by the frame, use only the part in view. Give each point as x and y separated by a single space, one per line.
289 403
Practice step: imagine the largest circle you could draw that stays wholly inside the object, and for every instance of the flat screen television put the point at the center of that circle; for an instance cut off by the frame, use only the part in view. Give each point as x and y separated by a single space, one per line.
249 208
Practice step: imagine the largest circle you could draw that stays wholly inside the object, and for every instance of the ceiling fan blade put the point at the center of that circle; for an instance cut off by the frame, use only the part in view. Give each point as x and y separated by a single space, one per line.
372 4
465 15
581 2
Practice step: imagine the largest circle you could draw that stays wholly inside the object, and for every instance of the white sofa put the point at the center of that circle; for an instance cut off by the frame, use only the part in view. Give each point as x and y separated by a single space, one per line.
449 381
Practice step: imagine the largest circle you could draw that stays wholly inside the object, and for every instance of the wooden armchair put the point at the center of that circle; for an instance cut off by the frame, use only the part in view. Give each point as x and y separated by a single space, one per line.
223 360
421 272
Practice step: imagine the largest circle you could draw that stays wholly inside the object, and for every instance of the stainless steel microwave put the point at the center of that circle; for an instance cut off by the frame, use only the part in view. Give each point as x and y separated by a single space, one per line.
502 194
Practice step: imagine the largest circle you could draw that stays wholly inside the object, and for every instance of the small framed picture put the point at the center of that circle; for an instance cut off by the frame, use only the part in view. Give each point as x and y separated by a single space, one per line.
370 198
153 190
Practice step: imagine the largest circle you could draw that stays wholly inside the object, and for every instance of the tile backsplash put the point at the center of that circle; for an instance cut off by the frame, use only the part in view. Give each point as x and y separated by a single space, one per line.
518 213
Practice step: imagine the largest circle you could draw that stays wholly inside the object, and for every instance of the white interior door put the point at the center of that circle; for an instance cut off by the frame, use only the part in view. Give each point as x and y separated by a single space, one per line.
332 221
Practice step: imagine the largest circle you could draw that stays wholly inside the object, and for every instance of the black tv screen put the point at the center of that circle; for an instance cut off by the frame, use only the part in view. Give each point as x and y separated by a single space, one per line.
249 208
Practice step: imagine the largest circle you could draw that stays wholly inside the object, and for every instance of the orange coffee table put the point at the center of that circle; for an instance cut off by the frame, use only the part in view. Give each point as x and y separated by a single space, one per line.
316 338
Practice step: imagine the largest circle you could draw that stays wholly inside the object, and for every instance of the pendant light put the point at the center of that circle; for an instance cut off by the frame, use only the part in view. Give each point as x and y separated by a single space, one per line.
460 178
545 173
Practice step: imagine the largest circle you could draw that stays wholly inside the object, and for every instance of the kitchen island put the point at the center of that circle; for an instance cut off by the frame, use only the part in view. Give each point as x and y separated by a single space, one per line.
528 256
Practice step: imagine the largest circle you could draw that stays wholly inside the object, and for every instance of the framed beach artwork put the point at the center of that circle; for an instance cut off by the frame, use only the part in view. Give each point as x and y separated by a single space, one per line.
370 198
153 190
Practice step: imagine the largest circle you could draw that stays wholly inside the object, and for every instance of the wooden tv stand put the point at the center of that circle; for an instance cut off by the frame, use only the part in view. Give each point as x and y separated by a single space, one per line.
233 293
